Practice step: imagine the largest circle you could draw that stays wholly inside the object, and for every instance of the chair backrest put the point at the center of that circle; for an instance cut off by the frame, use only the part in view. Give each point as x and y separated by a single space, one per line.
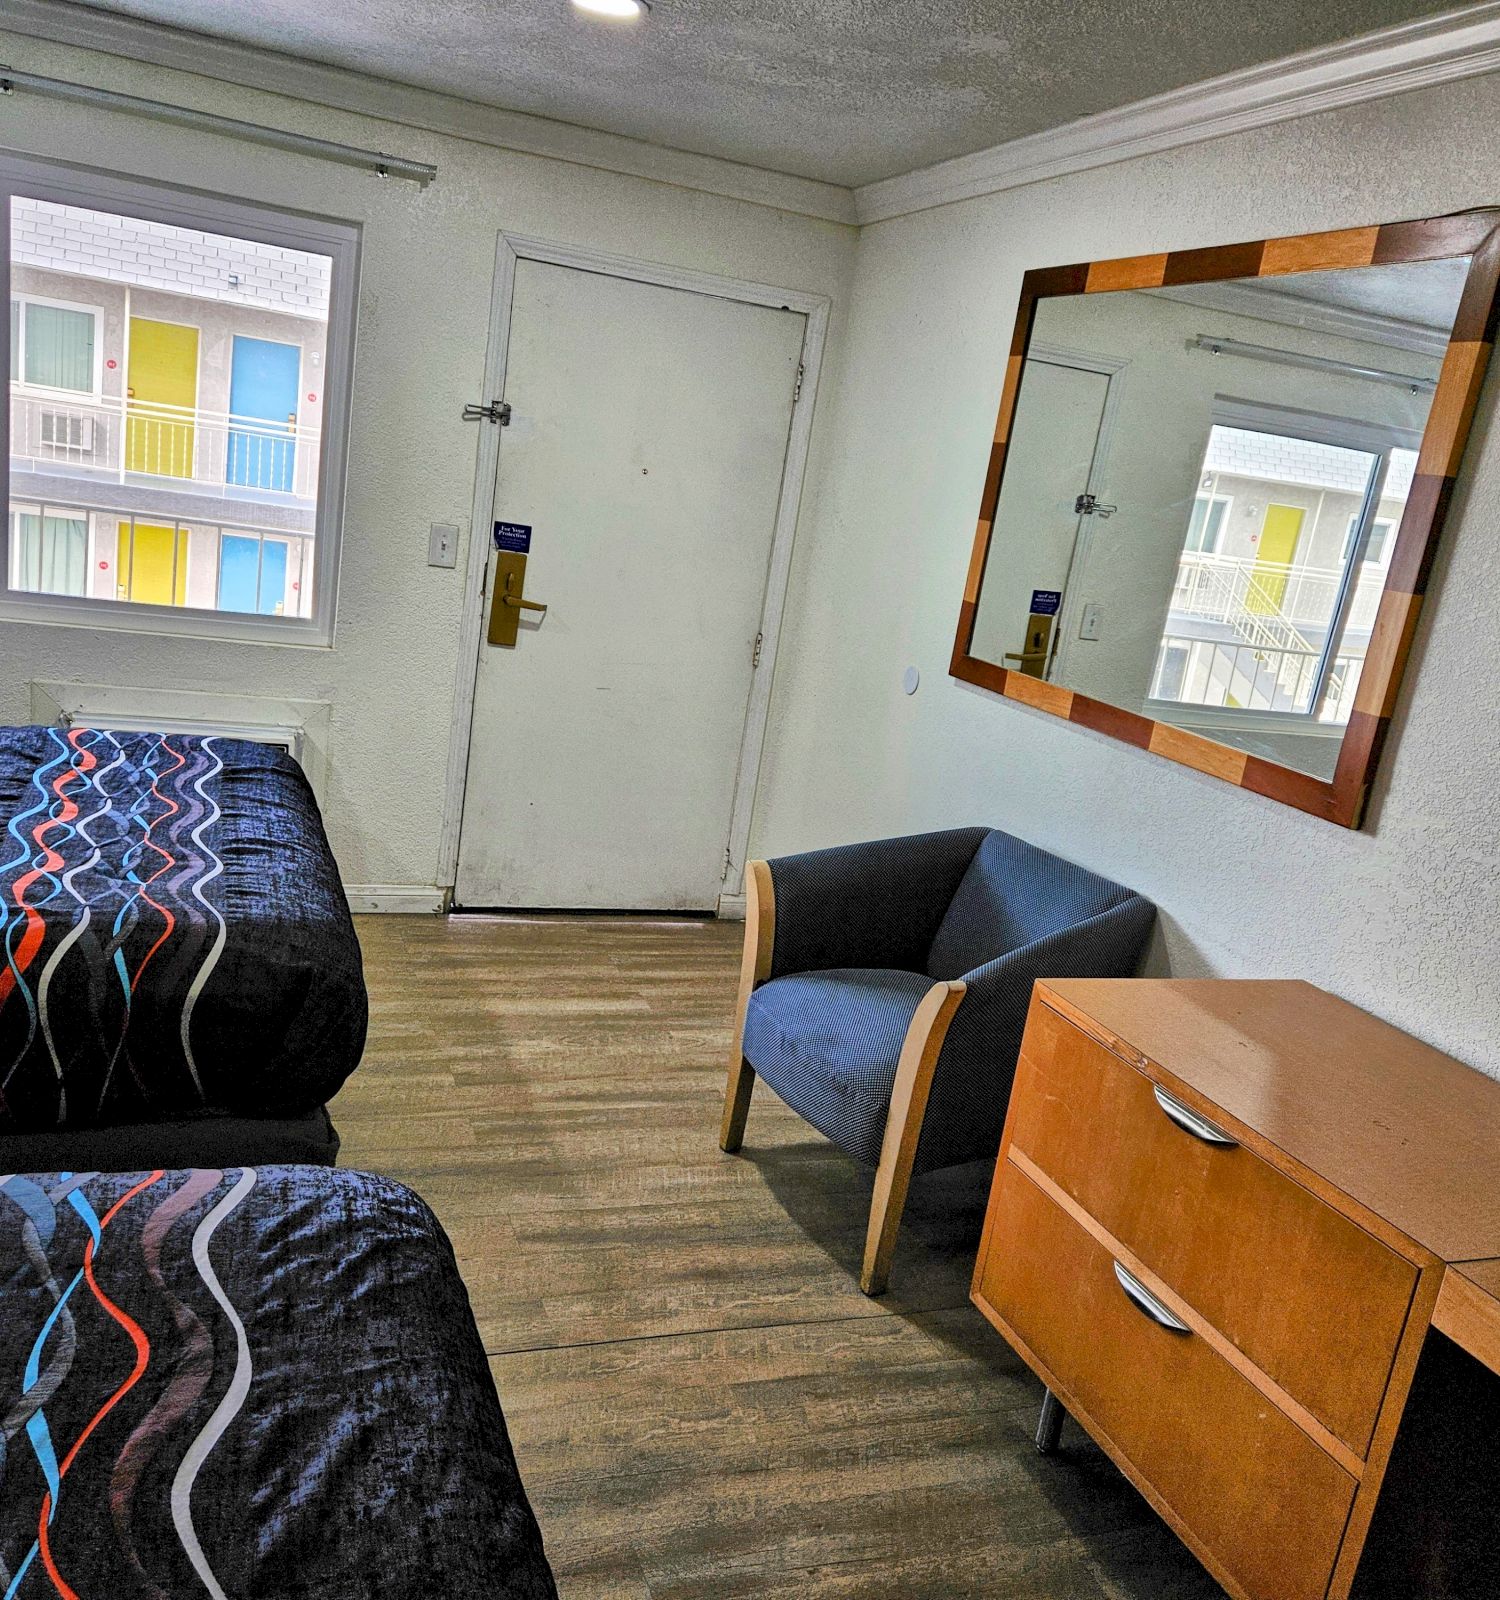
1012 895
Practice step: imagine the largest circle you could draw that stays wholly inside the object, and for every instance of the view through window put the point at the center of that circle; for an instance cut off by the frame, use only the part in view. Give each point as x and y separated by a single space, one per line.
168 395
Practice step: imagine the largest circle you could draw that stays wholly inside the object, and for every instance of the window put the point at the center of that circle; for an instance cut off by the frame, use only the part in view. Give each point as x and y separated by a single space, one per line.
1206 525
49 552
1270 614
53 346
1380 534
179 370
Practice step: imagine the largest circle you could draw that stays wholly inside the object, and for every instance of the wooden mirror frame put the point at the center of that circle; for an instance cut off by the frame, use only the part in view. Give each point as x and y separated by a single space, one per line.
1342 799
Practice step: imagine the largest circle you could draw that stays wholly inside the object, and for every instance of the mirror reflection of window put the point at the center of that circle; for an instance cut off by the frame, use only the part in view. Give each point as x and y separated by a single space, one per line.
1281 570
1207 525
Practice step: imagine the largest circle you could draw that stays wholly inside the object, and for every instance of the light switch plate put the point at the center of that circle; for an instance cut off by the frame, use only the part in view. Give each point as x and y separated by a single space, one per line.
442 545
1091 622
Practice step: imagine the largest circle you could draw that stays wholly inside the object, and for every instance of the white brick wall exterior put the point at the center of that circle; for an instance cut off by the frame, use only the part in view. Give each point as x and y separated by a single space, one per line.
1276 459
94 244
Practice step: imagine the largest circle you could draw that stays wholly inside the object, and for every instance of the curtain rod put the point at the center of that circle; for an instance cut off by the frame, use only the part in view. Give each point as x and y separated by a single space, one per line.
383 166
1291 358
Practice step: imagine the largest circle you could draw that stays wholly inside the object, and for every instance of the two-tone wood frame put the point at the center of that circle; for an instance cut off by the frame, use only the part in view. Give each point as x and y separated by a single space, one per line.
1341 799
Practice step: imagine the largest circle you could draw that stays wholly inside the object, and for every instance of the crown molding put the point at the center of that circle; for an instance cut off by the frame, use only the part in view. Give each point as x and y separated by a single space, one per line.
1396 60
290 77
1414 55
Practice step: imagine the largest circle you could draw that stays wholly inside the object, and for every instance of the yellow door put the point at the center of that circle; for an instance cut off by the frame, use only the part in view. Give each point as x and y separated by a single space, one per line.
151 572
1279 535
163 381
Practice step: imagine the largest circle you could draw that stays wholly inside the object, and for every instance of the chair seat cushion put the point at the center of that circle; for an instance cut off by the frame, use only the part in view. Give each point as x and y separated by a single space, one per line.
828 1044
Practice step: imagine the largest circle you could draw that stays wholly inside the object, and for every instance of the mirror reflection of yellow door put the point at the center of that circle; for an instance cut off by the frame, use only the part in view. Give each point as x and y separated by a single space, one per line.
163 380
151 571
1279 536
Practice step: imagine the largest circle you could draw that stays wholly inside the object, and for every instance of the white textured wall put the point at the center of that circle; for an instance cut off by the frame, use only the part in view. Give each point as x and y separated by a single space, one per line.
1404 917
427 270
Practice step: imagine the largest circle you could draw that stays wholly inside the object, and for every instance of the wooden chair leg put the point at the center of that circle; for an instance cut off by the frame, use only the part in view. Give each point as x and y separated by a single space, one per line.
903 1129
736 1105
755 968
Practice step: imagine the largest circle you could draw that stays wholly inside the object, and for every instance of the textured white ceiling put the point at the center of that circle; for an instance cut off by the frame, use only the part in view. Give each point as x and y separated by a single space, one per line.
842 90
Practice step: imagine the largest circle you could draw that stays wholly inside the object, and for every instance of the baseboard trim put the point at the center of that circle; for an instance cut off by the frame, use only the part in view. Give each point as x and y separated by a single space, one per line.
732 907
404 899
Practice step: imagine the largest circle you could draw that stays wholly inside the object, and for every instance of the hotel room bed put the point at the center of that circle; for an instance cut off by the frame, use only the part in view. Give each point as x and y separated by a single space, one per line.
258 1383
180 981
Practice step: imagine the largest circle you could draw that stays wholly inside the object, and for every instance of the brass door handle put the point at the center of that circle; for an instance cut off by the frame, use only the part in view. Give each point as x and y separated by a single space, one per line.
508 598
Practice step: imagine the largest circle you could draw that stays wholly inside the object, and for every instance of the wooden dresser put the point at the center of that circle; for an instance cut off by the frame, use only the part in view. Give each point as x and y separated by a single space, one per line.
1221 1220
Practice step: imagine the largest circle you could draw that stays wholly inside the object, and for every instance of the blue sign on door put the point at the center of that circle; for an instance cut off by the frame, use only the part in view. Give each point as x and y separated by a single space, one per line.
513 536
1045 602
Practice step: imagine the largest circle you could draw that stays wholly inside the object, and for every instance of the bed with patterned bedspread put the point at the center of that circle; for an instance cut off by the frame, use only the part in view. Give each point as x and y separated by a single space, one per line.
177 942
261 1384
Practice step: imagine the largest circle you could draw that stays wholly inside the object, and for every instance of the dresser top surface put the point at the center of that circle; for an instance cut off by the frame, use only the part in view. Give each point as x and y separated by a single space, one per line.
1396 1125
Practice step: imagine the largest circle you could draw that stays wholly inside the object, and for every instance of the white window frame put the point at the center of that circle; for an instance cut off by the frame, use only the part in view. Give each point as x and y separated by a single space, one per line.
1390 524
1214 498
23 299
43 508
63 184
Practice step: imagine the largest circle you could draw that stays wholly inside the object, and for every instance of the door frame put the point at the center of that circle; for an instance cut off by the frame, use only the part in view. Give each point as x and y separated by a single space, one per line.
512 248
1112 369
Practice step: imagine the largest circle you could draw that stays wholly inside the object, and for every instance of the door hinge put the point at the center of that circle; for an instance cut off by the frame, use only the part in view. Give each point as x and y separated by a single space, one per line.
496 411
760 640
728 861
797 387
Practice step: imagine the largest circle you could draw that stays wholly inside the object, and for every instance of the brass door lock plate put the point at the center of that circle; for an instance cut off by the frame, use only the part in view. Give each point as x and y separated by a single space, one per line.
507 599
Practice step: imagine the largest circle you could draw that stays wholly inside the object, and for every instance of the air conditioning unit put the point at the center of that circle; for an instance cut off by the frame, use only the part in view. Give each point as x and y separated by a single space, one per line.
67 430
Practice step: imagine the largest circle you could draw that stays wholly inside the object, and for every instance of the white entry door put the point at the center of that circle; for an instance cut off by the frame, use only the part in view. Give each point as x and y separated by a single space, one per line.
1053 457
646 452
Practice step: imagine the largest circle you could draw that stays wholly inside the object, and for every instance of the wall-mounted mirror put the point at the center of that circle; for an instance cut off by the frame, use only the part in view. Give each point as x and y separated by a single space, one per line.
1215 486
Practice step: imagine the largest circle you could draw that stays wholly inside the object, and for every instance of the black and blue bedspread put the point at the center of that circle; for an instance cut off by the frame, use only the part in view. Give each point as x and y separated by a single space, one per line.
175 935
265 1385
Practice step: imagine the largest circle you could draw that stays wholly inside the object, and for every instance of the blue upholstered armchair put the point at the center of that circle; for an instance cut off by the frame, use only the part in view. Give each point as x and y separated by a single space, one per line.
885 987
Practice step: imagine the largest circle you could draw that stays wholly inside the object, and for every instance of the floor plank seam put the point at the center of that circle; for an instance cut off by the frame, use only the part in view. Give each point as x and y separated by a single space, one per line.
732 1327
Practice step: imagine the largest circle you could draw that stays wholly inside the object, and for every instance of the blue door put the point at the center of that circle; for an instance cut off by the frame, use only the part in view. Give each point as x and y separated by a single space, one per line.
264 378
252 574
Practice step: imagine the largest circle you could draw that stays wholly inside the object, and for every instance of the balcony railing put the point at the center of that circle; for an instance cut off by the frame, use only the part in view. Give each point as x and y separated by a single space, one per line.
203 451
197 563
1240 590
1249 677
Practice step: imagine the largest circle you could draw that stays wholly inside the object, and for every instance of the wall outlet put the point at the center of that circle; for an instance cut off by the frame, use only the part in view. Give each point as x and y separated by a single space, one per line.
1092 621
442 545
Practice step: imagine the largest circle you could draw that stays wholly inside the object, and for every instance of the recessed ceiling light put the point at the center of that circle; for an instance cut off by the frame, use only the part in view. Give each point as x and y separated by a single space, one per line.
618 10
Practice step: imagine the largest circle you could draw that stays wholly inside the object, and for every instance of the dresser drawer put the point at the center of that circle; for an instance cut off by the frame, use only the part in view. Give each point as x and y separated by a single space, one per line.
1255 1493
1312 1299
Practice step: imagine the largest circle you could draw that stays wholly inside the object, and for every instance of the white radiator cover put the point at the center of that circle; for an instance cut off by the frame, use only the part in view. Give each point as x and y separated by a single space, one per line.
299 727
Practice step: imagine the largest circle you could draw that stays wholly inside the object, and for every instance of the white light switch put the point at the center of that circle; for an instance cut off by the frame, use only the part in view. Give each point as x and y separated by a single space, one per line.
1091 622
442 545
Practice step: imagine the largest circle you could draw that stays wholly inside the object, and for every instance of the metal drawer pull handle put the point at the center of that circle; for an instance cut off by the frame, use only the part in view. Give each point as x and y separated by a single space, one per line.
1190 1121
1148 1301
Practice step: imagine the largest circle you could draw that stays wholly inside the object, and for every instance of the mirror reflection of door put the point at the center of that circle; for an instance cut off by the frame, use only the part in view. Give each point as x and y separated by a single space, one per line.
1054 456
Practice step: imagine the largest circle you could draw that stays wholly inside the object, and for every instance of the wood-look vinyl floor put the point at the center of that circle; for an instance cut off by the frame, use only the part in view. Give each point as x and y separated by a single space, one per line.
702 1403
